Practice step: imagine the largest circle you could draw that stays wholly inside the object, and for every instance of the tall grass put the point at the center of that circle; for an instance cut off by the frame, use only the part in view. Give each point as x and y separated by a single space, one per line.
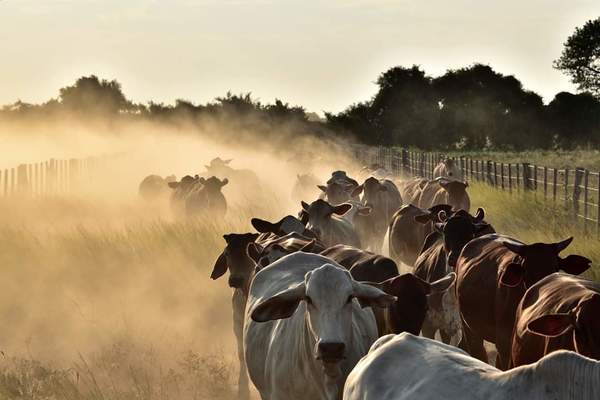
114 302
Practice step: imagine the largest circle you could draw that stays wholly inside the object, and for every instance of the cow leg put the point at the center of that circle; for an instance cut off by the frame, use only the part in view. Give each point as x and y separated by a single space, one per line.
239 303
472 343
445 336
502 358
428 330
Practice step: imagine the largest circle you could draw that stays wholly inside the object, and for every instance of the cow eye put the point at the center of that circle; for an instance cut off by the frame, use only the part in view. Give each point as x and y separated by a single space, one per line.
308 300
350 299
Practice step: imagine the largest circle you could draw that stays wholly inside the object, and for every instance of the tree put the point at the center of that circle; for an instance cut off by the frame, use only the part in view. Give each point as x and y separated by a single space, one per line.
574 119
92 96
580 58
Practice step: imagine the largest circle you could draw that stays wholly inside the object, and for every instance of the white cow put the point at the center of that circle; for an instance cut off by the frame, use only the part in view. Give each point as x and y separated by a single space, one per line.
404 366
304 329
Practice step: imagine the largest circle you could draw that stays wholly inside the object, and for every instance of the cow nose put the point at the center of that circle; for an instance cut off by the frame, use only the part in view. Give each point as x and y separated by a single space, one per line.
330 351
236 282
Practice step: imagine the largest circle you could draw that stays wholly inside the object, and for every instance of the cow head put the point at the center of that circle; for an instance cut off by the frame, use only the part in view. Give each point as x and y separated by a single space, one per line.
372 190
284 226
582 322
432 214
319 213
538 260
238 258
458 230
329 293
457 193
213 184
337 192
186 183
411 305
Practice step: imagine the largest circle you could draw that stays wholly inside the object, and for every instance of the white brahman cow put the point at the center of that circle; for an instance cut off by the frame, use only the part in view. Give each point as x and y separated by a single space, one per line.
305 329
402 367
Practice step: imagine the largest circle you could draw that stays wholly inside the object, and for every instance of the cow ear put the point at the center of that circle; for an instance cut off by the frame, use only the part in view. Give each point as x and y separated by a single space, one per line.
224 182
305 205
517 248
370 296
173 185
364 211
443 284
560 246
263 226
282 305
357 191
303 215
342 209
202 180
512 275
220 267
574 264
551 325
423 218
479 215
323 188
442 216
254 251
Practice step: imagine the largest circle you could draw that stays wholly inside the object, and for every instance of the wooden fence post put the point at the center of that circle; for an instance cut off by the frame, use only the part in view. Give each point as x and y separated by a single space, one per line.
554 183
566 188
585 200
502 175
526 177
577 191
545 182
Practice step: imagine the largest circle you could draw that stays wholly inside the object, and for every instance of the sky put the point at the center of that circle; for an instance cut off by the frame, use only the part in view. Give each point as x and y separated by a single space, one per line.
323 55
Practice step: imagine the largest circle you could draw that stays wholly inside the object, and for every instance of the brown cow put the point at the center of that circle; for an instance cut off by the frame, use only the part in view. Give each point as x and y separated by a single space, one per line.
447 168
237 257
384 199
408 229
408 311
437 259
284 226
274 248
493 272
559 312
444 191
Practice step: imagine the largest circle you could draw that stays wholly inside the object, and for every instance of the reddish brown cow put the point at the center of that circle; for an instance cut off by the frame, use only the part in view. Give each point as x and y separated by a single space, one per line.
408 229
559 312
493 272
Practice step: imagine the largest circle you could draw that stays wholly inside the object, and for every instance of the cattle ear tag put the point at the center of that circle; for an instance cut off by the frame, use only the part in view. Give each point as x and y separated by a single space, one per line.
512 275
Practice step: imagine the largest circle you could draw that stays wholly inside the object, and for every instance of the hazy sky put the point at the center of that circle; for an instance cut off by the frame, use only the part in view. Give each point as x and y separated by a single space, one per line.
323 55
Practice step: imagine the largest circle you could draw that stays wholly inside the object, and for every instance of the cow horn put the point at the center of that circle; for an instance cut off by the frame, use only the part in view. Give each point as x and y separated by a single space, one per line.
560 246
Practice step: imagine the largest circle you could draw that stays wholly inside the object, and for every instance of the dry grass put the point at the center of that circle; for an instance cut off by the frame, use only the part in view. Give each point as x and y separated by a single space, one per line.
113 302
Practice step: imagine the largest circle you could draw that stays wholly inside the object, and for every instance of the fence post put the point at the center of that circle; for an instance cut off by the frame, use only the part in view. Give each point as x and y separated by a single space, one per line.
598 206
554 182
489 173
566 188
577 191
545 182
585 200
526 177
502 175
509 177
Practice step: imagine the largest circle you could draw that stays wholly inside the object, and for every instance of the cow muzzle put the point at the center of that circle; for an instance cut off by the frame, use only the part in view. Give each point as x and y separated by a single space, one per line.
236 282
329 352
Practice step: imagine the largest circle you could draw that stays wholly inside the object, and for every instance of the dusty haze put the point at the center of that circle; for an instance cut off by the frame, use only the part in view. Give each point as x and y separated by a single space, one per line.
99 279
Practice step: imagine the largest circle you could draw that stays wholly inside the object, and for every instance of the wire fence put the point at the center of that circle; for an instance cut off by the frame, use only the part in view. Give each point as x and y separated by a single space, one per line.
51 177
576 189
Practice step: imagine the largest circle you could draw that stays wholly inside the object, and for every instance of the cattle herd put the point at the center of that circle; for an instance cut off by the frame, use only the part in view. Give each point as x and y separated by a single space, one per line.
320 310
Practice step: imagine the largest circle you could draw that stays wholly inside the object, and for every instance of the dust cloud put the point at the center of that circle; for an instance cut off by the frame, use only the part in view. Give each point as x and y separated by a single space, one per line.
100 289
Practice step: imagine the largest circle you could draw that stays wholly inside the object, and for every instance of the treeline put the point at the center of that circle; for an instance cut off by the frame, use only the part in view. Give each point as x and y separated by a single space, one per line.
102 103
470 108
